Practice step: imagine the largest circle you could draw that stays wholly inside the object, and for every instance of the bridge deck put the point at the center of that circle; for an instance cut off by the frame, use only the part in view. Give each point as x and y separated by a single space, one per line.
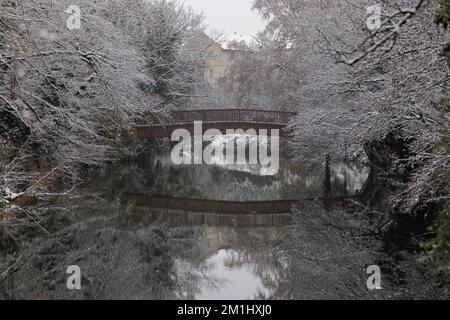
160 131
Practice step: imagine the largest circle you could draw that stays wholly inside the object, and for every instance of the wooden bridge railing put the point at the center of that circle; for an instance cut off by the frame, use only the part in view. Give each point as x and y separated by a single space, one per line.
224 115
232 115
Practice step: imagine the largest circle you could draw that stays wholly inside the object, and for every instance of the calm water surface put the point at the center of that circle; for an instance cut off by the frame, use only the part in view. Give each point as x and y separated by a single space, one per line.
126 253
227 262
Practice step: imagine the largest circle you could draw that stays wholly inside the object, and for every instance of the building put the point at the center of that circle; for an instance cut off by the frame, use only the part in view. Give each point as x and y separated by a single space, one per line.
218 60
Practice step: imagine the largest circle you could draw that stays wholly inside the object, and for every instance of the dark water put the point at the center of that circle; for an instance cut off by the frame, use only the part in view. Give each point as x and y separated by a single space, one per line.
125 252
241 263
157 175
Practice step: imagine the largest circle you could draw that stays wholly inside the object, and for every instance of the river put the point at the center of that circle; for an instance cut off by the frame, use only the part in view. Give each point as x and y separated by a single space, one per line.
127 251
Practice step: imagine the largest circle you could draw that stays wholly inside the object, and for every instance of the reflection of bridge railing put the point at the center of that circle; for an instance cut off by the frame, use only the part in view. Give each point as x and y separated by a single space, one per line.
216 213
221 119
185 218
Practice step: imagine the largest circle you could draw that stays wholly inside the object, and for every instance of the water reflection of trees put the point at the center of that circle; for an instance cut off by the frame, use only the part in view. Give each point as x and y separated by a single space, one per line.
251 248
245 182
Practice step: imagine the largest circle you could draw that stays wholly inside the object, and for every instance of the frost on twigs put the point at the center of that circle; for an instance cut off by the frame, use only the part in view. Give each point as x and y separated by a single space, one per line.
68 95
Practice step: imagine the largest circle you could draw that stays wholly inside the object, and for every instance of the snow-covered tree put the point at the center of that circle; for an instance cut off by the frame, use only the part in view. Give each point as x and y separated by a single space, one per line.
393 99
68 91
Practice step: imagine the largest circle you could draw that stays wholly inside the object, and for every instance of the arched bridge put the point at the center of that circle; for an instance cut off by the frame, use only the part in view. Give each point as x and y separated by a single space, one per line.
221 119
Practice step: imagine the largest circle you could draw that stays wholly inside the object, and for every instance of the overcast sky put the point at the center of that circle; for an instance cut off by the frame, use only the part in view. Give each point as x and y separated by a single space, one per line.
233 17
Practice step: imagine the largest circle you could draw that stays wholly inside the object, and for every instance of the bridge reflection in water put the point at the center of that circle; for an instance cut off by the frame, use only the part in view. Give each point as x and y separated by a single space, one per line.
214 213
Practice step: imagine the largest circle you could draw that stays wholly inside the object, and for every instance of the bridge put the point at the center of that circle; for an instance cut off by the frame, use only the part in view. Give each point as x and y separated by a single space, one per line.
216 213
221 119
